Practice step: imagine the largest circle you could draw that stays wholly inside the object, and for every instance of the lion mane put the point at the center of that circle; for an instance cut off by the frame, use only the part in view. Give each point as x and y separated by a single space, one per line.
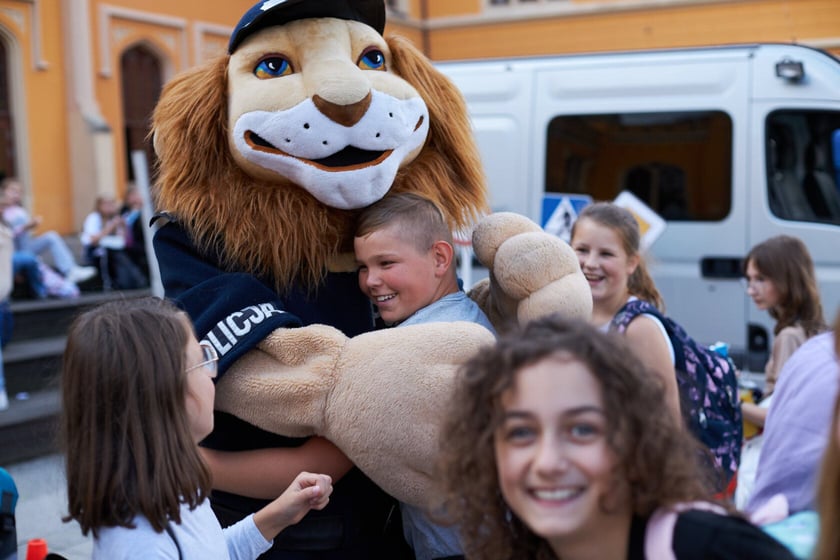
277 228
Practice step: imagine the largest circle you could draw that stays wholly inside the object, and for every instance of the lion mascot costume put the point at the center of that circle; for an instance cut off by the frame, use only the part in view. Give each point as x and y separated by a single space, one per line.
265 156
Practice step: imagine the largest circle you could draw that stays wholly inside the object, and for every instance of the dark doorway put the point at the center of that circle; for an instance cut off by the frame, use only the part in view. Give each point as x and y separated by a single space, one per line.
7 130
142 80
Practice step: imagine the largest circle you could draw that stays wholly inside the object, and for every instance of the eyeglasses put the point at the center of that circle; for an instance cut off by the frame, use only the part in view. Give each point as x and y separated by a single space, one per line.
211 359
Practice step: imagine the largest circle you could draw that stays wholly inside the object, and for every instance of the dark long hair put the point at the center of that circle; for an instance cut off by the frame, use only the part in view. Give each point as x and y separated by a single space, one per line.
125 432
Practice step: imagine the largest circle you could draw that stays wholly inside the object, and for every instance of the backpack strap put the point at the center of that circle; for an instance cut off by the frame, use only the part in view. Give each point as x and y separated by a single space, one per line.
171 533
659 534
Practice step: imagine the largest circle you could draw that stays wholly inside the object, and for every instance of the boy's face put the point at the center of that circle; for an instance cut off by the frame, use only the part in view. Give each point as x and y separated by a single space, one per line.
397 277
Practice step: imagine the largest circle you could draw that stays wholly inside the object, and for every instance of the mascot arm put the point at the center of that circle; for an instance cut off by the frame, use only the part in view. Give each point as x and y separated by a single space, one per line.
235 312
232 311
532 273
378 396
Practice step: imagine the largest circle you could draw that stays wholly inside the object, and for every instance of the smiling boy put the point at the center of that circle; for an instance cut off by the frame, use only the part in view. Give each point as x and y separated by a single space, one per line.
405 256
406 263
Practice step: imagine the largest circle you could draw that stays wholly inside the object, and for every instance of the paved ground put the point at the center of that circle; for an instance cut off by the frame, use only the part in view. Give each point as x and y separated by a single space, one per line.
42 504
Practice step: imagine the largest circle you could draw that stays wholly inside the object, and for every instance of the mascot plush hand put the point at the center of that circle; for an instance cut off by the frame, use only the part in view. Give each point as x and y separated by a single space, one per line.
265 155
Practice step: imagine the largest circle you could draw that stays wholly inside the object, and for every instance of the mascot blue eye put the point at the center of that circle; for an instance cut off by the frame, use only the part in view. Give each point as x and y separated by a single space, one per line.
272 67
373 59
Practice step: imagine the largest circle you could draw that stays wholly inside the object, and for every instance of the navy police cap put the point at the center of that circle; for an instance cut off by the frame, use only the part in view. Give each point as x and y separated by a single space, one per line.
268 13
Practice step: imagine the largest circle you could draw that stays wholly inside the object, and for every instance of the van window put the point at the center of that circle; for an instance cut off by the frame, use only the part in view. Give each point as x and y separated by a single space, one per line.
679 163
802 165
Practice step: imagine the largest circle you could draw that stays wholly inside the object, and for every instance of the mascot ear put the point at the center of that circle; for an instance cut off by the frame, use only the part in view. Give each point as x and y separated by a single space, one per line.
189 124
450 138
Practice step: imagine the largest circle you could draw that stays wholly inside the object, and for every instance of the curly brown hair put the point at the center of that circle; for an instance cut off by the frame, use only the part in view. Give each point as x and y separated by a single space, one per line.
657 460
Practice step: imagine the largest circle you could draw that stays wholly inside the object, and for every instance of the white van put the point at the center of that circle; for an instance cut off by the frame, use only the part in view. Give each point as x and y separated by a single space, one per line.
731 145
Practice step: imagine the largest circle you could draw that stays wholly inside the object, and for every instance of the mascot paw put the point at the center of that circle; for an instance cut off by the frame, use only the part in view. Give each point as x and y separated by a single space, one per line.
532 273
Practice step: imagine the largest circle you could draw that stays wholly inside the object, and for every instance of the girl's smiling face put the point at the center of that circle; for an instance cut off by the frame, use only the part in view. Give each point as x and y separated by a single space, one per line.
603 260
554 463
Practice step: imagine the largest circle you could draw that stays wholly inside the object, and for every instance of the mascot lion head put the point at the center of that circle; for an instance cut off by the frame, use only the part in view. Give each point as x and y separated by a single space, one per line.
267 153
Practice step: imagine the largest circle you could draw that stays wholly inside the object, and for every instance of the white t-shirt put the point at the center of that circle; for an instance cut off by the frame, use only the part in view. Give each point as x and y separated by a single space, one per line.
199 535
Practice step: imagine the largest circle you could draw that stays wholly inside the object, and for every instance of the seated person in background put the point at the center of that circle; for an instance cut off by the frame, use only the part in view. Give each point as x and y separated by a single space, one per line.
23 224
552 451
26 271
103 237
404 252
798 425
135 242
6 278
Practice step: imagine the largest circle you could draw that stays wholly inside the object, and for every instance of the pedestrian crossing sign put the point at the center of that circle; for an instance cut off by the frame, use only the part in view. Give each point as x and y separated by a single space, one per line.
559 212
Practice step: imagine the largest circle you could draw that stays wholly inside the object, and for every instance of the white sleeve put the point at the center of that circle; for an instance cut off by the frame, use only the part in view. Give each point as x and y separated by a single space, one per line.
244 540
92 226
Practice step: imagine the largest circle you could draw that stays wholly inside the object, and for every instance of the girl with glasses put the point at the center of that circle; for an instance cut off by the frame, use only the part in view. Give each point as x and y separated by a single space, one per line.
137 391
779 277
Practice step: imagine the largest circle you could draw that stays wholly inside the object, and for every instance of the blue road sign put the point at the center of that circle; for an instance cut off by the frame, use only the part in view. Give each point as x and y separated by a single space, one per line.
559 212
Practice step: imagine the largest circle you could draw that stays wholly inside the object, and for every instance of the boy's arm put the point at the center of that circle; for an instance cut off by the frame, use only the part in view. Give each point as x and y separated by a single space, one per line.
266 473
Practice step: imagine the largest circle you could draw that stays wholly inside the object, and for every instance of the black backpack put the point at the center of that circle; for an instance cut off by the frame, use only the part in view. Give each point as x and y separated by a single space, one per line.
708 386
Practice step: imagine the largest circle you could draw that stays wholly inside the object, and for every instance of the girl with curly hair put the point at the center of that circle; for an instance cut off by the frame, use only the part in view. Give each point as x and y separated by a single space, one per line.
558 447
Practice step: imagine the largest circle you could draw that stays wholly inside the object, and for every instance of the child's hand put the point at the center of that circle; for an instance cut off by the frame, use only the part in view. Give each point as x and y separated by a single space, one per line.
309 491
306 492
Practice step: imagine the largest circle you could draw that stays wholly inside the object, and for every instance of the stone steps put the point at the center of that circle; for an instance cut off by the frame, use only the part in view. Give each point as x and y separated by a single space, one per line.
32 362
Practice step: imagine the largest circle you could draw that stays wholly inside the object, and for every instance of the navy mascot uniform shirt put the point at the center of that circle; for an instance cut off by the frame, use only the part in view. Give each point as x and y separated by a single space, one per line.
234 311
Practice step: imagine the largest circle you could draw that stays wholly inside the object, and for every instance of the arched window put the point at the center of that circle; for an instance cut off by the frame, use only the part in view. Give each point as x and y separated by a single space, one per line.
142 80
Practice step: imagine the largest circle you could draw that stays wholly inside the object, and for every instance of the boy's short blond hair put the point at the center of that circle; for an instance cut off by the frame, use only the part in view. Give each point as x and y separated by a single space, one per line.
418 220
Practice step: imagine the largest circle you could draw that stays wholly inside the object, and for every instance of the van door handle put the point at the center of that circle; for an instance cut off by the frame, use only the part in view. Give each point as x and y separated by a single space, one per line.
721 267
